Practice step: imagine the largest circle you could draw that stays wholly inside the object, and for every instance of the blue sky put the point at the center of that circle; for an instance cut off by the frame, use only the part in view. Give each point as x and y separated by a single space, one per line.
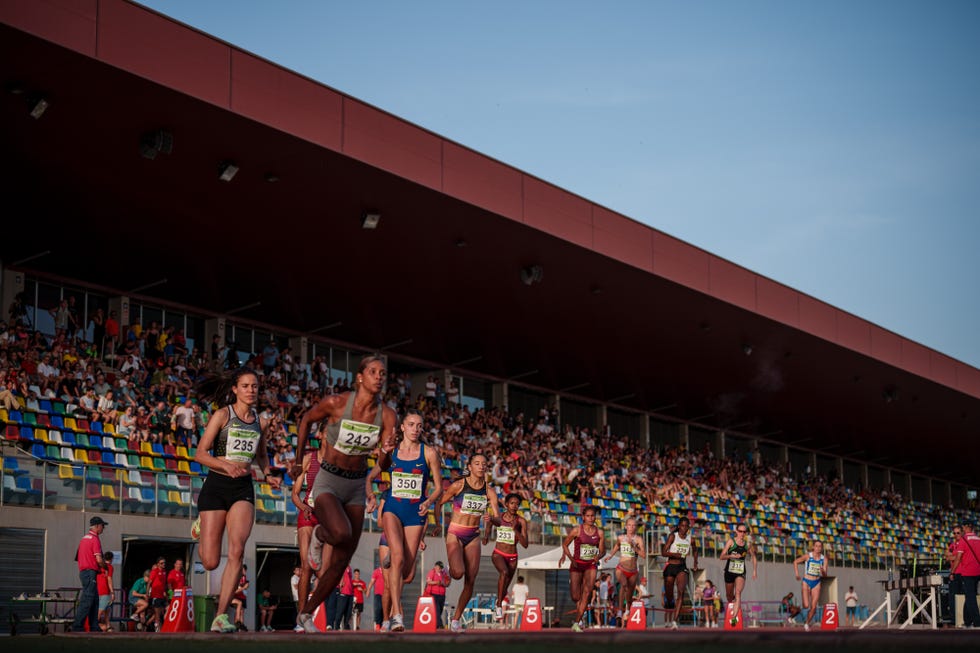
832 146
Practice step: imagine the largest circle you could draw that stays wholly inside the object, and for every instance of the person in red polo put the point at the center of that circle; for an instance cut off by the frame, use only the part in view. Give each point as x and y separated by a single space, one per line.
90 562
176 579
966 564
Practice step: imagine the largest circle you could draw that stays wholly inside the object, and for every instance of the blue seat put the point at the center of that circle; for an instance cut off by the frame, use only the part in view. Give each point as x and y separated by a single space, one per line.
27 434
157 449
196 467
58 422
37 450
12 468
96 427
15 417
23 483
68 438
109 459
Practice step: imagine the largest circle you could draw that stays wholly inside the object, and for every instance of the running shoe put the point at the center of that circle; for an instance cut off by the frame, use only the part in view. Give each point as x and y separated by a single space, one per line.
305 620
455 626
316 552
397 624
386 626
196 529
221 624
499 614
806 627
576 627
673 625
298 629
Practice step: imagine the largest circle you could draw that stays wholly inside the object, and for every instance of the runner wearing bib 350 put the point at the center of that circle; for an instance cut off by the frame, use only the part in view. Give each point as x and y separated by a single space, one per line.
416 475
233 440
589 548
472 498
736 550
352 425
815 568
630 547
511 532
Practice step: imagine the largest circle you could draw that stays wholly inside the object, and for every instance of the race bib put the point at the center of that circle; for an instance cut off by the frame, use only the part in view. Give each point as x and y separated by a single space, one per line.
736 566
814 568
505 535
356 438
588 552
474 504
626 550
406 486
681 548
241 445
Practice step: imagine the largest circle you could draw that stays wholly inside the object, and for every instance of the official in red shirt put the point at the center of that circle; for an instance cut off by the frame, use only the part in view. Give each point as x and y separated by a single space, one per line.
360 587
176 579
90 562
966 564
158 591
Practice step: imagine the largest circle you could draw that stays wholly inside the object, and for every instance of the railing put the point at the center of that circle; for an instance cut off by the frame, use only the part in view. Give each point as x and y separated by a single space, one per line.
74 487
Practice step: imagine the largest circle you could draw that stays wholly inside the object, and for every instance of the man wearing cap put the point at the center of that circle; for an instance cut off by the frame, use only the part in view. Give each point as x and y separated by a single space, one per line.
90 561
436 583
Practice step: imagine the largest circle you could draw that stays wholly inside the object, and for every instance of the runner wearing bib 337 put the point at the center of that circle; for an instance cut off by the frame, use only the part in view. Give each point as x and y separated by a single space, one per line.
511 532
589 548
814 569
416 476
630 548
736 550
352 426
472 498
233 440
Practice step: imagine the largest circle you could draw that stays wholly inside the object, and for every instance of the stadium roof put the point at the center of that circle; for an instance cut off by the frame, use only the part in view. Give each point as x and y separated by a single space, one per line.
623 313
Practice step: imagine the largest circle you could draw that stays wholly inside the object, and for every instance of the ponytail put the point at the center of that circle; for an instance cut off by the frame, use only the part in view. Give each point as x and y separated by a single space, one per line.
216 388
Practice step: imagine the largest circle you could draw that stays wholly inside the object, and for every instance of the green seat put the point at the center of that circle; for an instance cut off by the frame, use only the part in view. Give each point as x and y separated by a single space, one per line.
159 464
30 418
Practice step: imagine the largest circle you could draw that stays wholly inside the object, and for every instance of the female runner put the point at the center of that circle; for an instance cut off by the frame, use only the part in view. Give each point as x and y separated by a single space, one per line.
511 532
814 570
355 422
305 523
414 469
679 544
235 437
736 550
630 547
472 498
590 546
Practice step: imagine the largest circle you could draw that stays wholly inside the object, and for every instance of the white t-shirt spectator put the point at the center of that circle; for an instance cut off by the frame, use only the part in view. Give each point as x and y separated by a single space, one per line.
851 599
519 593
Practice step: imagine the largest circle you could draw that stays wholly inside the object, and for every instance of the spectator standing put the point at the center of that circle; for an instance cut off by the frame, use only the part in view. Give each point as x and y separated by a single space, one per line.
359 590
966 565
105 593
851 603
270 357
436 583
176 579
90 562
378 585
112 331
185 420
158 591
294 589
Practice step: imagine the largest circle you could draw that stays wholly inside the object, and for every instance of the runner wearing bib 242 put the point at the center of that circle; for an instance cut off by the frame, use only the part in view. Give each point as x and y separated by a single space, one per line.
352 426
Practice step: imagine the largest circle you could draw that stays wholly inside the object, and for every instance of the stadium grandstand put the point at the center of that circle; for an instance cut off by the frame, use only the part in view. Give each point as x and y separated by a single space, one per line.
173 215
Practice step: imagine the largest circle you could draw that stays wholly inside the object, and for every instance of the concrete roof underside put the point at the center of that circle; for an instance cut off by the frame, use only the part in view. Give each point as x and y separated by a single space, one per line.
624 313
